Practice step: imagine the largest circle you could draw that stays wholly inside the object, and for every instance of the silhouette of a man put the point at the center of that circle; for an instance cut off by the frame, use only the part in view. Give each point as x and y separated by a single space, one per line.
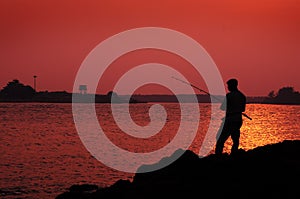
235 105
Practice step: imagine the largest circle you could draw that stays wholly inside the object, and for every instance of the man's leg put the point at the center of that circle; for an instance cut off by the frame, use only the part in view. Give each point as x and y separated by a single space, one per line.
224 135
235 136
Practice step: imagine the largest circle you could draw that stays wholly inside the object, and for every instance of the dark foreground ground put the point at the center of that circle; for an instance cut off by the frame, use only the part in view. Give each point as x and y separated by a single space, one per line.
271 171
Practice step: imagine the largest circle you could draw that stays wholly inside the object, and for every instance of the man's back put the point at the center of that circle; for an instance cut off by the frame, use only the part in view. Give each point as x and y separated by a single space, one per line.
236 102
235 105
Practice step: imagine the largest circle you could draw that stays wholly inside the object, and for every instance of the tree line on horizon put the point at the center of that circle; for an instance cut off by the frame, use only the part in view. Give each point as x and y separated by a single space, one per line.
285 95
17 90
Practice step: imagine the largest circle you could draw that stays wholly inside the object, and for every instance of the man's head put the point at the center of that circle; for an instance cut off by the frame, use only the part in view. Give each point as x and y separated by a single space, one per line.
232 84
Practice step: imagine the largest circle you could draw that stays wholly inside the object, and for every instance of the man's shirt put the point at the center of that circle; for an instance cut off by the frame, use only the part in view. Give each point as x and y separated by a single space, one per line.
235 104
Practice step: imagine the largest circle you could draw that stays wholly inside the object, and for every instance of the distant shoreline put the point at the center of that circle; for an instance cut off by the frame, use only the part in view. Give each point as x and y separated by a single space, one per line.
108 102
15 91
65 97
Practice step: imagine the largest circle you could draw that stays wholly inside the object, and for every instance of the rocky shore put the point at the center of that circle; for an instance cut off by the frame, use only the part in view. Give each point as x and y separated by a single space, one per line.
271 171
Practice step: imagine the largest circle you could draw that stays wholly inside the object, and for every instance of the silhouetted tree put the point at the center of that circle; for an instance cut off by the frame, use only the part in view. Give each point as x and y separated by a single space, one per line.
272 94
16 90
113 96
285 92
285 95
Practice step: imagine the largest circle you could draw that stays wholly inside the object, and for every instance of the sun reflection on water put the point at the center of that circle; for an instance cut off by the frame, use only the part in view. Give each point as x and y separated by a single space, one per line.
270 124
42 154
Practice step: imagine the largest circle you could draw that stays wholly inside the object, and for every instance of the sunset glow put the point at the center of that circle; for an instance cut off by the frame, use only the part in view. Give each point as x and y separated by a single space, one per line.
101 98
254 41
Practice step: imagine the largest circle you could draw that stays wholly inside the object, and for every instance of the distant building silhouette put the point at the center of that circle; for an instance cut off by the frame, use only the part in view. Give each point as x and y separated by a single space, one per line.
82 89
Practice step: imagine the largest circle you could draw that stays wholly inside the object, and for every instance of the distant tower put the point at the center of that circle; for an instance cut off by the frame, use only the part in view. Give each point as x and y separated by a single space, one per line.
34 82
82 89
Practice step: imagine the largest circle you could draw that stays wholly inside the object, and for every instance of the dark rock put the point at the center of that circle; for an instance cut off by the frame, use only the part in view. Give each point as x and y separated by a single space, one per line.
270 171
79 191
83 188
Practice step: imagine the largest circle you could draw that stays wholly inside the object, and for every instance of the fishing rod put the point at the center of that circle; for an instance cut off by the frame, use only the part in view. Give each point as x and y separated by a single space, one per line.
244 114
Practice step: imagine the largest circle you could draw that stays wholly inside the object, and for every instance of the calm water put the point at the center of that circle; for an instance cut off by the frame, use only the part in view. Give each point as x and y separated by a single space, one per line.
42 154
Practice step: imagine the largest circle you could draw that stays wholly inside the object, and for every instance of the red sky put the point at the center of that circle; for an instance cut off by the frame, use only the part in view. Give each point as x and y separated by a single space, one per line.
256 41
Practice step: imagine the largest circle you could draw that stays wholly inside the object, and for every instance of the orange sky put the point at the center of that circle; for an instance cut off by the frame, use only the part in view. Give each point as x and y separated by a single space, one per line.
256 41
